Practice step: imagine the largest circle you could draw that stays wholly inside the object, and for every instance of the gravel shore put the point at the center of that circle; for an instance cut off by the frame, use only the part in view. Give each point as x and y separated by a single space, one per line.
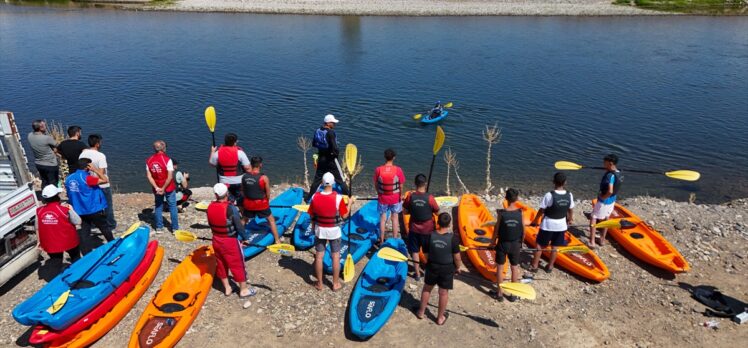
415 7
639 306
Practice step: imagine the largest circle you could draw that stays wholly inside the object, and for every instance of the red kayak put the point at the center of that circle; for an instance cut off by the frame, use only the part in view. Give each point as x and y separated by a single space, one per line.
43 334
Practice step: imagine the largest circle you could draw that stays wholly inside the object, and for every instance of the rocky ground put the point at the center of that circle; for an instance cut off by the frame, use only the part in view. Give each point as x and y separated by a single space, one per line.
638 306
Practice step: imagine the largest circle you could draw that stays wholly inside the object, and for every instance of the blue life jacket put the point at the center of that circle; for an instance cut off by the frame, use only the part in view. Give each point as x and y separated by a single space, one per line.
85 199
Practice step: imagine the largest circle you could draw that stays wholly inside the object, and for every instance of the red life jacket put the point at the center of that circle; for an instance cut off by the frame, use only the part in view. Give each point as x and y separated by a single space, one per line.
56 232
325 209
218 218
253 188
157 166
228 161
388 183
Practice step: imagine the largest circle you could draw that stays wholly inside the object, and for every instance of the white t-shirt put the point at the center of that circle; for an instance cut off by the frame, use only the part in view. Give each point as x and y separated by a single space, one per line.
554 225
243 159
329 233
98 159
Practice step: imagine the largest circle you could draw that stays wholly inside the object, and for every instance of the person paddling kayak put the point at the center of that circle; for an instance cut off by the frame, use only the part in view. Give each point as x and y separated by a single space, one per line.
230 162
256 191
507 238
557 210
436 110
388 179
421 206
327 211
606 197
326 142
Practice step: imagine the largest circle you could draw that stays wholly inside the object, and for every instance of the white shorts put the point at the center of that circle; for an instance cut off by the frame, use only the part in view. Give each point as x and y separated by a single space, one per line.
602 211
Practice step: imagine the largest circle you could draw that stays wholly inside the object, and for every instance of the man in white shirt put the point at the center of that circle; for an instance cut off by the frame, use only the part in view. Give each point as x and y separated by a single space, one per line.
98 159
557 210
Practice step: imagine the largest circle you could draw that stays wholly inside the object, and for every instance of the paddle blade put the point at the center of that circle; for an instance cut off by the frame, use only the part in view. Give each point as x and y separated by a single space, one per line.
210 118
579 249
488 224
283 249
301 207
612 223
438 140
351 154
390 254
417 117
448 105
131 229
446 201
687 175
463 248
202 206
520 290
566 165
184 236
59 303
349 269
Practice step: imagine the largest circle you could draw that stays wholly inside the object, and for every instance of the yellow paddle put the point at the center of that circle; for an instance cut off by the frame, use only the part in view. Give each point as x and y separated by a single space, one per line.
525 291
615 223
392 255
203 206
63 298
418 116
351 156
446 201
438 142
280 248
687 175
210 120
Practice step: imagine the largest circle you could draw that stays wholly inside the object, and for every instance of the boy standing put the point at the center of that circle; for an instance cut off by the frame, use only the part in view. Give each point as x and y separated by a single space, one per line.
387 179
556 209
606 197
256 191
508 241
421 206
327 210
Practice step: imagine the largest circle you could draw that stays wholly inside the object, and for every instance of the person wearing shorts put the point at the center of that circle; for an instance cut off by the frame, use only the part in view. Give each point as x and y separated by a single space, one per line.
557 210
606 197
443 254
388 179
508 241
256 193
327 210
421 206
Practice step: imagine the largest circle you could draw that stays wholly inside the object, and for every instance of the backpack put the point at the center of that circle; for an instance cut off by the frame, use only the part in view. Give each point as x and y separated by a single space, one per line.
320 139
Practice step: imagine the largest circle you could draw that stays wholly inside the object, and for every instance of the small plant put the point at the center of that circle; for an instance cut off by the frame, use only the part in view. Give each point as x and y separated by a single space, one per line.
57 132
304 144
492 135
451 158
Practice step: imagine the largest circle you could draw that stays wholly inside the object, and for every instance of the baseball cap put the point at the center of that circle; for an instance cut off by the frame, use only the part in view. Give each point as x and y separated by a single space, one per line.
328 179
220 189
331 118
50 191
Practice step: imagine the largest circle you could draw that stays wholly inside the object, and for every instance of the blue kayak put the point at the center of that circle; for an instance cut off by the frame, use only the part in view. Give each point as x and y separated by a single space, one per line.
364 226
428 119
377 292
303 235
90 279
259 230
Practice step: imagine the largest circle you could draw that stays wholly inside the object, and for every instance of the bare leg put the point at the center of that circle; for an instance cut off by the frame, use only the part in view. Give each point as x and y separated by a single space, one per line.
425 295
395 225
603 233
226 286
593 231
336 272
499 279
515 273
536 258
318 269
382 223
273 228
243 289
552 259
416 263
443 298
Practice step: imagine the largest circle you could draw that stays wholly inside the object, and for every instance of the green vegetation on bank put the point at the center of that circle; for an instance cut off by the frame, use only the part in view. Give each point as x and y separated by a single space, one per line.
711 7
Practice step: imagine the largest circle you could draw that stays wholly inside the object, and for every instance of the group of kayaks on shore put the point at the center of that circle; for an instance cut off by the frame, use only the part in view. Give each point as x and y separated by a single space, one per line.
91 296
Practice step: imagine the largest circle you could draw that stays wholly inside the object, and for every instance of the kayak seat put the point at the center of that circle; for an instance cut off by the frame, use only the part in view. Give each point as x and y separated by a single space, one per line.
356 237
636 235
378 288
181 296
171 308
83 284
361 230
480 232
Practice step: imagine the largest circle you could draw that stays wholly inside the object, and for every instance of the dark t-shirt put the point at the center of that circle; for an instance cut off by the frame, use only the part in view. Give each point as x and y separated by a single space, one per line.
70 150
440 249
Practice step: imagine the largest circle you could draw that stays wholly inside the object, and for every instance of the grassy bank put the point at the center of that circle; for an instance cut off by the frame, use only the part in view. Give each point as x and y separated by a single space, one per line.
708 7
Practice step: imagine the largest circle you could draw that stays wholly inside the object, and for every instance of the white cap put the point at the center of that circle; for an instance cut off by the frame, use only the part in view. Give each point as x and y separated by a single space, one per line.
331 118
328 179
50 191
220 189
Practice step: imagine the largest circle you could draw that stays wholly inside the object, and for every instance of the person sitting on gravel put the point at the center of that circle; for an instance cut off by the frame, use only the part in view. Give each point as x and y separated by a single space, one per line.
225 223
327 210
507 238
443 255
256 192
421 206
606 197
557 211
182 180
55 225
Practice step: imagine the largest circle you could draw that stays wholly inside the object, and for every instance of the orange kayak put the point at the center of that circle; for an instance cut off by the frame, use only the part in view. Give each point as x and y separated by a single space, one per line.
645 243
177 303
109 320
587 265
471 214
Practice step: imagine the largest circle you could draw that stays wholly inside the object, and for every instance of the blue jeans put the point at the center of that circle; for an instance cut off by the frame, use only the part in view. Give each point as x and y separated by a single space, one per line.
171 201
109 209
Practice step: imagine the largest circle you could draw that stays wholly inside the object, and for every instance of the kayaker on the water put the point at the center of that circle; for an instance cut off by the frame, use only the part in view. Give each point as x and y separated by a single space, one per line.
507 238
230 162
182 179
256 191
443 254
421 206
88 200
388 179
326 142
55 226
557 210
159 170
437 110
327 211
606 197
226 223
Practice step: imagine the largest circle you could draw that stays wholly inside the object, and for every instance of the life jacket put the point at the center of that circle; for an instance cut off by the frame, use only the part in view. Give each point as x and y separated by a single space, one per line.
440 248
228 161
320 139
157 166
326 213
85 199
420 208
56 232
219 218
510 226
606 181
560 207
388 183
253 189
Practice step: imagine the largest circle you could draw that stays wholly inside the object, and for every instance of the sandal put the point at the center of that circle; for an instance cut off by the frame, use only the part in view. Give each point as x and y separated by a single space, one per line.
446 316
252 292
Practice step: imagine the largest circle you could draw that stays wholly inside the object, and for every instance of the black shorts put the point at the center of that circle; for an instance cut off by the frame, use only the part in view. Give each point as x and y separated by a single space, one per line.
251 214
508 249
416 241
441 275
553 238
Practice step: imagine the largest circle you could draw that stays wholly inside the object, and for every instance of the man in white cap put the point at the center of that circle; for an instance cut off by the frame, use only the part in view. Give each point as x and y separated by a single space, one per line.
326 142
327 211
55 226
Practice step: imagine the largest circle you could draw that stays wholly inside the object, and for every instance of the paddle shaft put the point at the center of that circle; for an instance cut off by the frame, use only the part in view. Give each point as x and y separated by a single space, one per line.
431 170
630 170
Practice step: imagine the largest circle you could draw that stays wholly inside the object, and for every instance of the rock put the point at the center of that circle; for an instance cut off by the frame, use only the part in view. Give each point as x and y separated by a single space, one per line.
679 226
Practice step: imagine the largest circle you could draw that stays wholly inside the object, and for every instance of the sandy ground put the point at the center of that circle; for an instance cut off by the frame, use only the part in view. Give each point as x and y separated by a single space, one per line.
415 7
638 306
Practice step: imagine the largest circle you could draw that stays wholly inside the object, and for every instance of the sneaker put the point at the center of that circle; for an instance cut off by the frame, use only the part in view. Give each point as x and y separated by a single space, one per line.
417 278
548 269
159 231
512 298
